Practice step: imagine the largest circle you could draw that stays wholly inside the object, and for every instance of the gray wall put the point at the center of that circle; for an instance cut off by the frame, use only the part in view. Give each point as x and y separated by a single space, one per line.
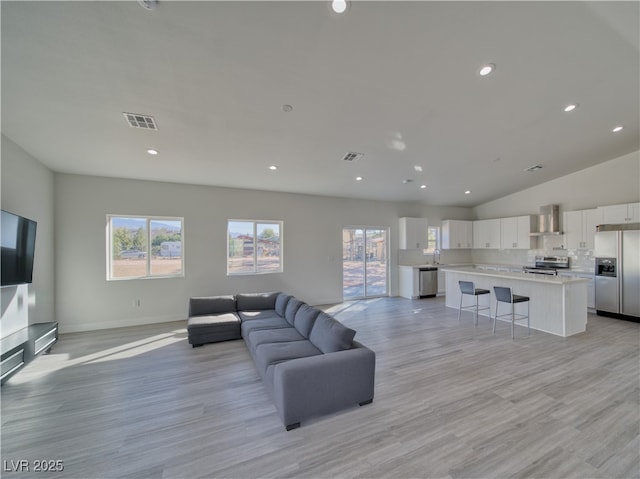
312 238
27 190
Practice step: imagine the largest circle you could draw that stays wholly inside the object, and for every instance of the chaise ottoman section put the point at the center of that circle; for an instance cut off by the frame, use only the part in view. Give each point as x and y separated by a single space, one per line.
213 329
212 319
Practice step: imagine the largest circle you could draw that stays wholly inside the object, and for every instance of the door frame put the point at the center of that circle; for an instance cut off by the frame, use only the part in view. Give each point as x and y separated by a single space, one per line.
387 250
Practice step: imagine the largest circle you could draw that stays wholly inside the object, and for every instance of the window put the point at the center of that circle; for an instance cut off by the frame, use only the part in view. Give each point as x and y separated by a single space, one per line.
144 247
433 240
254 247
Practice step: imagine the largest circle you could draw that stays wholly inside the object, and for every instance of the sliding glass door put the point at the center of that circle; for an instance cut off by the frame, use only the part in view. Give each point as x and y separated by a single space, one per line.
364 262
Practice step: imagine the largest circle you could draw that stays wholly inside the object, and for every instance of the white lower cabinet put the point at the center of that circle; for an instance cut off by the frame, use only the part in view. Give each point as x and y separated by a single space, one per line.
442 282
591 286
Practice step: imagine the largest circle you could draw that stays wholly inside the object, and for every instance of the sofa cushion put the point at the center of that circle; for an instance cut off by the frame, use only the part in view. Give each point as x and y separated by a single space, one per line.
266 336
329 335
292 308
263 314
274 322
281 303
256 301
216 321
304 319
273 353
206 305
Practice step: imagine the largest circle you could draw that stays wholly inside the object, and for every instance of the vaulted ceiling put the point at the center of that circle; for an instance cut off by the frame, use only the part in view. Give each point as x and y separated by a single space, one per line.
395 81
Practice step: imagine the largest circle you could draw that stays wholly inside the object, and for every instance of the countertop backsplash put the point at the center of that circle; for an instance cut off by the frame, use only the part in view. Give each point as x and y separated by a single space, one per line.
548 246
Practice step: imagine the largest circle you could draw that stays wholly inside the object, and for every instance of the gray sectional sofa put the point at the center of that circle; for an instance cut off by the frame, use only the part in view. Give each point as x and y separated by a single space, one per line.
308 361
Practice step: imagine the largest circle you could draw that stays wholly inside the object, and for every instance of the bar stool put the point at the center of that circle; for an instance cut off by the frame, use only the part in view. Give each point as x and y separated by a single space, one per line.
504 295
467 287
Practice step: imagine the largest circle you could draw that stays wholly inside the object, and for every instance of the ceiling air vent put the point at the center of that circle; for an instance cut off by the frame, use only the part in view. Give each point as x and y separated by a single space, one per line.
145 122
352 156
534 168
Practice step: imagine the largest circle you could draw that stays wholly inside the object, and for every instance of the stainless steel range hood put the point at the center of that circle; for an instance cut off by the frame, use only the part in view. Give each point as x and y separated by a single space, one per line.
548 221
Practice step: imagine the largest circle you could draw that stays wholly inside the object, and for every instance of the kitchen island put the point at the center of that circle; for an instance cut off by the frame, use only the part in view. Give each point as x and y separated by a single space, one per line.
558 304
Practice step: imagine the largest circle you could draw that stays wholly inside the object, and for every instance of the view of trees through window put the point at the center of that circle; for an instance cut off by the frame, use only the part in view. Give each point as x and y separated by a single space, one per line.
141 247
433 240
254 247
364 262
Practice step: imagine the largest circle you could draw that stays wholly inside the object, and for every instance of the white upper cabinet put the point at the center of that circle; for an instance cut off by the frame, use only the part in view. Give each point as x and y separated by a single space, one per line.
617 214
457 234
515 232
413 233
486 234
580 228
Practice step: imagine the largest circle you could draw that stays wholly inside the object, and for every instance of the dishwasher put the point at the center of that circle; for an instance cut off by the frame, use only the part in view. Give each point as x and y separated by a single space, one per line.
428 282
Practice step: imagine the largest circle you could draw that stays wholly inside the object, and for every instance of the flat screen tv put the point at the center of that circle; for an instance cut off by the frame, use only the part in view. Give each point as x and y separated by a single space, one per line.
18 243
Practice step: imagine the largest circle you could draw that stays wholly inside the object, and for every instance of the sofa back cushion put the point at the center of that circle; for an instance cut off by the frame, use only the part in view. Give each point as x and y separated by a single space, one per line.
329 335
304 319
292 308
207 305
256 301
281 303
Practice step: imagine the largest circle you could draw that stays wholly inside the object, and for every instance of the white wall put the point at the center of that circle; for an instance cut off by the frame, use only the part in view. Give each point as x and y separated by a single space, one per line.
613 182
27 190
312 238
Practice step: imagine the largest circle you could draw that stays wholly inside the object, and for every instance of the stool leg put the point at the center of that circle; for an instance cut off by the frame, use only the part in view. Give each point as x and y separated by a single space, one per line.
528 324
513 320
495 318
460 308
475 317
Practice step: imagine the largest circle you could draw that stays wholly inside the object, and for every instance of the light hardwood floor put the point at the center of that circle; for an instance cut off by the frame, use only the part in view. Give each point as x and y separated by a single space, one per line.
452 400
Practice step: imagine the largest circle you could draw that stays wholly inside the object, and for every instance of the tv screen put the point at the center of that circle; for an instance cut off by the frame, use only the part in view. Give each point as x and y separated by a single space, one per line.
18 243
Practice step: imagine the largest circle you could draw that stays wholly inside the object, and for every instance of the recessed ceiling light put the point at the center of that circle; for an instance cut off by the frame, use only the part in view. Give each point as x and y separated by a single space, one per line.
339 6
273 167
359 178
486 69
617 129
423 186
151 151
468 192
570 107
418 168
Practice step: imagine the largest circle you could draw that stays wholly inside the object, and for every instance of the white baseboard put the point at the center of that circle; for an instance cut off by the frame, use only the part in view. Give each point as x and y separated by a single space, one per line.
66 327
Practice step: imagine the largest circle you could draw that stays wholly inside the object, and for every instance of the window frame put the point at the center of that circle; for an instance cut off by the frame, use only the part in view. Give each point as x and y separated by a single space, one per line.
436 241
148 267
255 224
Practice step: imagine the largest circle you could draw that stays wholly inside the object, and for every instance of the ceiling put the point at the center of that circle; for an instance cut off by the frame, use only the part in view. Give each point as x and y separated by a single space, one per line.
395 81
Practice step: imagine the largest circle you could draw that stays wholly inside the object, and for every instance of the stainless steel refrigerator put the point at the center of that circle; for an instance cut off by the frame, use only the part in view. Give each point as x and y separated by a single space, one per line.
617 251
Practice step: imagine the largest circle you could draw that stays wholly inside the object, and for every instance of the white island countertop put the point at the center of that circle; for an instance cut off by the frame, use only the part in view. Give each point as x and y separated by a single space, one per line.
558 304
539 278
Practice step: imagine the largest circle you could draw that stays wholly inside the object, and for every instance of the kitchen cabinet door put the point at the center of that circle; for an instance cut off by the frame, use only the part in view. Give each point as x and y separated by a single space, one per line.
457 234
633 210
486 234
573 229
509 233
590 219
412 233
619 214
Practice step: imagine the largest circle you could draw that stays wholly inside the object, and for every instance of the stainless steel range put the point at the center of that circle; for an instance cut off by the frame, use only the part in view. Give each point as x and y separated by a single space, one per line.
549 265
